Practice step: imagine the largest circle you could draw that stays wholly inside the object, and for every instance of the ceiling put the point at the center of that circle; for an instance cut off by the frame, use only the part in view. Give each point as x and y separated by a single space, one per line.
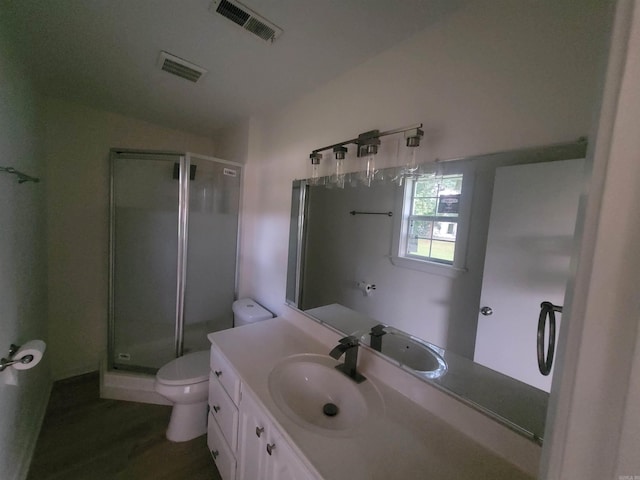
104 53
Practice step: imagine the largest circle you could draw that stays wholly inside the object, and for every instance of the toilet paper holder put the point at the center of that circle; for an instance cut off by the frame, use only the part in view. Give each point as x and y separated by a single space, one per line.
7 362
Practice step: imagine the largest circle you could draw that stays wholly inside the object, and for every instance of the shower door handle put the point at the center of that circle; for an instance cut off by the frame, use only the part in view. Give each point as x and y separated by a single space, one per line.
547 310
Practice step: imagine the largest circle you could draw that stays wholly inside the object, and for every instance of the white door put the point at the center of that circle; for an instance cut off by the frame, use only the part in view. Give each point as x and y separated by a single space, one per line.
529 245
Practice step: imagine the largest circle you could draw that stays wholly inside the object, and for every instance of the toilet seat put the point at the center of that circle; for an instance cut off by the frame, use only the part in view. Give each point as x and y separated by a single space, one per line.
188 369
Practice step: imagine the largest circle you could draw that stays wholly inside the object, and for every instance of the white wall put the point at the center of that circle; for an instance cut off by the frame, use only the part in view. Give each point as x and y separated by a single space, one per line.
495 75
77 143
22 265
594 409
232 143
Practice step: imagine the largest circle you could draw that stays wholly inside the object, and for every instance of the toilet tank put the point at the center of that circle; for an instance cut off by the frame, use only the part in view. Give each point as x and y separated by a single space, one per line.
247 310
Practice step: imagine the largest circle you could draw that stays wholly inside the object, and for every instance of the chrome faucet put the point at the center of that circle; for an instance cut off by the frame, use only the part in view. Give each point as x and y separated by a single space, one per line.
349 347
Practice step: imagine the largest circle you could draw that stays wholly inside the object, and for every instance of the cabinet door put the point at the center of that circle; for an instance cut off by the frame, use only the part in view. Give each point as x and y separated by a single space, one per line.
282 462
224 411
220 451
252 441
225 373
263 452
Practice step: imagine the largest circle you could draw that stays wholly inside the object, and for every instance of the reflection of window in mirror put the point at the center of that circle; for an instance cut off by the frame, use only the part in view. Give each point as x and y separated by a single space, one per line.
430 235
433 218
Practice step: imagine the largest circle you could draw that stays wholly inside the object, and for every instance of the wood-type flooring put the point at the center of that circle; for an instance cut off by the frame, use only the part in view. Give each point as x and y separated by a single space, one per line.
84 437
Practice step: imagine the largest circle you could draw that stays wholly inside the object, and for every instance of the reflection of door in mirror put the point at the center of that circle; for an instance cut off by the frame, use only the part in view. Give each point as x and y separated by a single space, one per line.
531 230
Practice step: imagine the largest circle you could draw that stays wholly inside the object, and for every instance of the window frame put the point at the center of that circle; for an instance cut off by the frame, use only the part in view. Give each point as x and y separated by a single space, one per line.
401 258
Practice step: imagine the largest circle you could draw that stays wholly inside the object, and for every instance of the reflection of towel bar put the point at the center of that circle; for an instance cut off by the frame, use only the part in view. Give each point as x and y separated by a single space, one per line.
22 177
388 214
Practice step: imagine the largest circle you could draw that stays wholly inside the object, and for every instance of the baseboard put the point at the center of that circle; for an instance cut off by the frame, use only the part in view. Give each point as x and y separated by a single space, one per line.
75 372
130 387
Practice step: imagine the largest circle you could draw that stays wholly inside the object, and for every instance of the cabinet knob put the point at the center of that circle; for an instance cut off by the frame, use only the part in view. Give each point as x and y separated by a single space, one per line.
270 448
217 372
259 431
216 408
214 454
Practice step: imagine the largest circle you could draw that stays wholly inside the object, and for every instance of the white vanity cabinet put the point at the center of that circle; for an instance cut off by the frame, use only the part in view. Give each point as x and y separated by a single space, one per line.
222 428
222 454
263 452
243 442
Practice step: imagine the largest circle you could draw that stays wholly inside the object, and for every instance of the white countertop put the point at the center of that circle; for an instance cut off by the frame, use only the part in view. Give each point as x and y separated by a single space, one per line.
407 442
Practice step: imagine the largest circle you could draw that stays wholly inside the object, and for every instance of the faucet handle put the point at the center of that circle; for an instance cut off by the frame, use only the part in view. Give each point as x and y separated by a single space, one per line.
378 330
349 341
344 344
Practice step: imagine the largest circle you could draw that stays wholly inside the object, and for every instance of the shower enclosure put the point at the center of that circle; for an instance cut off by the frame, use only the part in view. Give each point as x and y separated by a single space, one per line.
173 242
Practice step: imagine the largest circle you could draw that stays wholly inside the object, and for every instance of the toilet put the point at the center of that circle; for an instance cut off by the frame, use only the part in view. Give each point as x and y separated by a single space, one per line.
247 311
185 380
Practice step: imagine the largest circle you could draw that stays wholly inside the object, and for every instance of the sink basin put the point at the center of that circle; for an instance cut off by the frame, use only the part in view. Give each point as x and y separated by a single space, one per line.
420 356
310 391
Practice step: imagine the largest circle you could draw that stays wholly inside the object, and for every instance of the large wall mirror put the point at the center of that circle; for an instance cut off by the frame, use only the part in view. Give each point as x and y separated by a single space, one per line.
446 270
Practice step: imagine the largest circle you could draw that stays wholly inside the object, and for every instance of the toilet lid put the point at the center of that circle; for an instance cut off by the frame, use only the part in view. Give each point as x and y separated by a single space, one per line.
190 368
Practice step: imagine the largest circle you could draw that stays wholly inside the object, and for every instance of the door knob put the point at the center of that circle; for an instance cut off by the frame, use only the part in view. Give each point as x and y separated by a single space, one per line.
486 311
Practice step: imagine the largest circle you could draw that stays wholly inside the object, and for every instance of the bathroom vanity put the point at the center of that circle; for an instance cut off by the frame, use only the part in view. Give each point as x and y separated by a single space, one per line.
266 379
242 440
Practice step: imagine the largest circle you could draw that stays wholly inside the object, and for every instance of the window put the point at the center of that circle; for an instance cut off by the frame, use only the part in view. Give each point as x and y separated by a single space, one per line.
433 218
430 234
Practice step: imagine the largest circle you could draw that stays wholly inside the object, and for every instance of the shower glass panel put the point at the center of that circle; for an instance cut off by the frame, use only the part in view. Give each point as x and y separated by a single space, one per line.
212 234
144 251
174 233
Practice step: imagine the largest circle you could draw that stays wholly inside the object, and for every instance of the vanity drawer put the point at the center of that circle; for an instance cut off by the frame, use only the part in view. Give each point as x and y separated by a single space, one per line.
224 411
225 374
220 451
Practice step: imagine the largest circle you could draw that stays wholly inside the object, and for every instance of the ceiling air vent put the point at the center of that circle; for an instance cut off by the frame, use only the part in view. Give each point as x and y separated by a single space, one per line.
177 66
246 18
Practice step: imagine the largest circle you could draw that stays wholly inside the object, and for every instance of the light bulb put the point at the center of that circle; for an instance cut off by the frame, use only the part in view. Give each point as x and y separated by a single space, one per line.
410 164
339 176
369 171
315 167
340 173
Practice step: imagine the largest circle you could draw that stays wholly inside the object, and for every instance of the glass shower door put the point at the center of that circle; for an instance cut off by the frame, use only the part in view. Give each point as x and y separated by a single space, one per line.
144 243
212 235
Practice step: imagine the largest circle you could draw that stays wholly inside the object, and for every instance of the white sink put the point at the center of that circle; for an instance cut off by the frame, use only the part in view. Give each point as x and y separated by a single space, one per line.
307 387
422 357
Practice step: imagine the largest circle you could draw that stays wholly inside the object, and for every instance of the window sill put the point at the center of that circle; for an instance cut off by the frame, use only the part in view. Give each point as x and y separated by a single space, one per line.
427 267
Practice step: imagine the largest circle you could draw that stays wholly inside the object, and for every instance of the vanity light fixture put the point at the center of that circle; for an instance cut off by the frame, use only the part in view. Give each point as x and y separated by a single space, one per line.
367 144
